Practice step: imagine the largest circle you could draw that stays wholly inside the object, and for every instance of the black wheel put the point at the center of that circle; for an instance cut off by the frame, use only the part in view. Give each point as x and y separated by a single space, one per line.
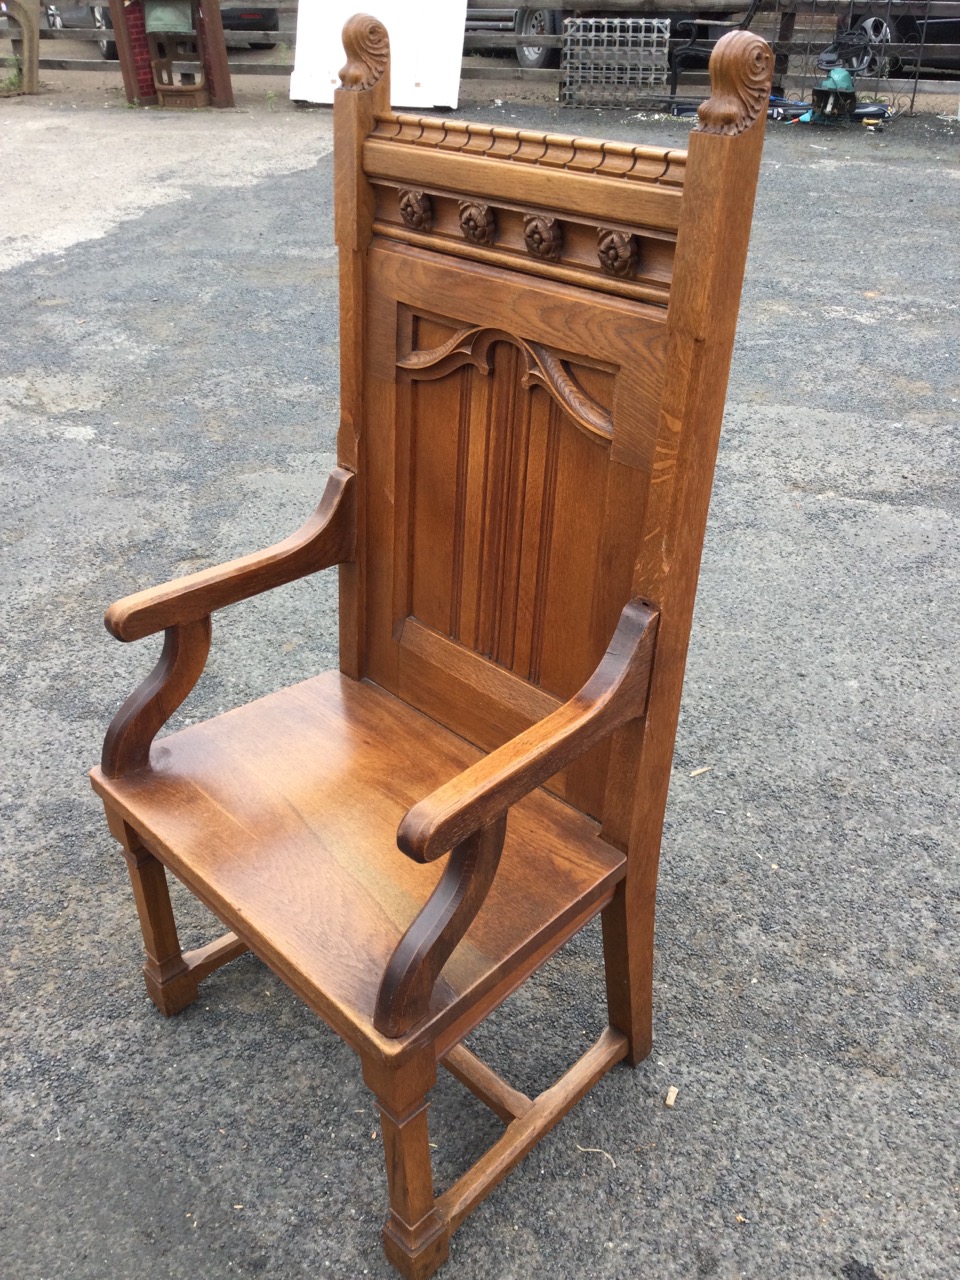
100 13
538 22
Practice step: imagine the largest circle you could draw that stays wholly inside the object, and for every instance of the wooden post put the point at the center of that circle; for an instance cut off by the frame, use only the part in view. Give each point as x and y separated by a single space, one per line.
26 46
214 45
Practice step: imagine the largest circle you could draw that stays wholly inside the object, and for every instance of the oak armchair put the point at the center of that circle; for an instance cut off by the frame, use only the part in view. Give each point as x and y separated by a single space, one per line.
536 335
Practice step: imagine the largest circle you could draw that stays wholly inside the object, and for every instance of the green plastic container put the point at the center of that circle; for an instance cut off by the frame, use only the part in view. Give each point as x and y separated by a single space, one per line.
168 17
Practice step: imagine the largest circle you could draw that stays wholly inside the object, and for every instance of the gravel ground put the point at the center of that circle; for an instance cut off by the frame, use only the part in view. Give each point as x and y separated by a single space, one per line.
168 398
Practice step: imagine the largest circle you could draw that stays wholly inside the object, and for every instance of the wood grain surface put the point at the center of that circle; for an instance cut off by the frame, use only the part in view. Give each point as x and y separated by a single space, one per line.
282 816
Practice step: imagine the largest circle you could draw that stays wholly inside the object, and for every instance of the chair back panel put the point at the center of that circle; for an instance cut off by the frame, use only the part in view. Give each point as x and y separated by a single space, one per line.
515 435
525 334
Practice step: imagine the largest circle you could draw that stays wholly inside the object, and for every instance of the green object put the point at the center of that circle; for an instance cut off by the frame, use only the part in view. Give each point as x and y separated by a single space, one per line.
839 80
169 17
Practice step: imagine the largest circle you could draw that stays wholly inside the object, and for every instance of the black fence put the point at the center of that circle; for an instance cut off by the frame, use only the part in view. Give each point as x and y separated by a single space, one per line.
894 49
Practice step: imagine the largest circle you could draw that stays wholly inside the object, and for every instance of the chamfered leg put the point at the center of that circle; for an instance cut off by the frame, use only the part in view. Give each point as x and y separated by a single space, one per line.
628 963
415 1239
171 984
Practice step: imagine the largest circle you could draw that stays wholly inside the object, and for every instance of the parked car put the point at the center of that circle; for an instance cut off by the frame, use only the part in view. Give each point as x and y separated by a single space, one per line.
236 18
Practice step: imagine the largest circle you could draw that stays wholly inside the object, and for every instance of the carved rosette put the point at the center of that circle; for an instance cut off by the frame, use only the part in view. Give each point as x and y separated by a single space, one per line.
543 237
617 251
367 46
416 210
477 222
741 69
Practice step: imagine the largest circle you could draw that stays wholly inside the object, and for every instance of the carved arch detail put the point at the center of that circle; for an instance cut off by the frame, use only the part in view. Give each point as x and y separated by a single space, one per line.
543 367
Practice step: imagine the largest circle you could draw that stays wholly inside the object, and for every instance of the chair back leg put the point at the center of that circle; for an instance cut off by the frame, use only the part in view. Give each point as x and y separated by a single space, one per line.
628 967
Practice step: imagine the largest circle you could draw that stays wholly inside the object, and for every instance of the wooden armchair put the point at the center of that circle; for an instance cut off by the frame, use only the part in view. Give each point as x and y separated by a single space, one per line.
536 335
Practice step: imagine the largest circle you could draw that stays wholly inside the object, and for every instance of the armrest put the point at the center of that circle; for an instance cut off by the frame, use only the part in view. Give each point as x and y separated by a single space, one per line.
468 816
614 694
327 538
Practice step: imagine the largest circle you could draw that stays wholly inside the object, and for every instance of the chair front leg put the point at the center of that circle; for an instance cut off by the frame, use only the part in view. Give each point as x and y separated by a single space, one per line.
170 982
415 1238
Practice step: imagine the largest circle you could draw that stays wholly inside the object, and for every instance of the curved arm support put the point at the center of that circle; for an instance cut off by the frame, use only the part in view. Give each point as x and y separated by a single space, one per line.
615 694
404 995
126 747
327 538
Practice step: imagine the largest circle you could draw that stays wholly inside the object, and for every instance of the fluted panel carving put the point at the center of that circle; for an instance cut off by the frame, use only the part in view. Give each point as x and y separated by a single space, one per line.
489 460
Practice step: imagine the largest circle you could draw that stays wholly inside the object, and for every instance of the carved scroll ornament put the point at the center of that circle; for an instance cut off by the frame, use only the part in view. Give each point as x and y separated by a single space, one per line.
543 237
478 222
741 68
367 47
416 210
543 366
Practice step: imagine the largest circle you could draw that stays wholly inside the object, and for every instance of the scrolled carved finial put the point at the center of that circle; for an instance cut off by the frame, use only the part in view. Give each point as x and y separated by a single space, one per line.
367 46
741 69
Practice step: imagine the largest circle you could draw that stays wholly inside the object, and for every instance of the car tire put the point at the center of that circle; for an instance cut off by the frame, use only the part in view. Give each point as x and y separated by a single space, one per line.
538 22
100 13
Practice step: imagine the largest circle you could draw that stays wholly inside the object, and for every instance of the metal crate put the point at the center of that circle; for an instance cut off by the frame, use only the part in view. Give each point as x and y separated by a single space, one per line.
607 61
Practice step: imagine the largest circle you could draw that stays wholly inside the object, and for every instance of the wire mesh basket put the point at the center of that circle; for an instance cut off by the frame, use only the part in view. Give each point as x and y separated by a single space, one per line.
607 61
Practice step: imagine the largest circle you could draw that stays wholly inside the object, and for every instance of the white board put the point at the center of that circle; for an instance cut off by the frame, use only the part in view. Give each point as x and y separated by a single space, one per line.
426 47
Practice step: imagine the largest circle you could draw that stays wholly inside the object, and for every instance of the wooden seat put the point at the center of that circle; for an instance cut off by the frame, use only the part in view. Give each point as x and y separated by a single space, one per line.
536 333
319 829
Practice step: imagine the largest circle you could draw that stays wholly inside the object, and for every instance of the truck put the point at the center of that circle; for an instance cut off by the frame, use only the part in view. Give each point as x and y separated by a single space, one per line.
930 26
484 15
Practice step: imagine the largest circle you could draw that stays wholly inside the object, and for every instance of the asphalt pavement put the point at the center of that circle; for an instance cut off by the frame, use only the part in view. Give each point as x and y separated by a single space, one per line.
168 399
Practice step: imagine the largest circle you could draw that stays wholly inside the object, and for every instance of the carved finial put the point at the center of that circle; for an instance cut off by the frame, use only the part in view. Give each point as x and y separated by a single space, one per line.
741 68
367 46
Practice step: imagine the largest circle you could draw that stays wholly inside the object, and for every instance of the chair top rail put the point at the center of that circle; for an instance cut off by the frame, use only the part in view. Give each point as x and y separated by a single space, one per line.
655 165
